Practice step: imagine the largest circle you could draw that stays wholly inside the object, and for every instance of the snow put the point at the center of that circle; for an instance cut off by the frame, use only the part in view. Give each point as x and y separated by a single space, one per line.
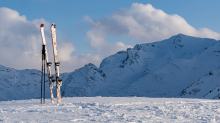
111 109
176 67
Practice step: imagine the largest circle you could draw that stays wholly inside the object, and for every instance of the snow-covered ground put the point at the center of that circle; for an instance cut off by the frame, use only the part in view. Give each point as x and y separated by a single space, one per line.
111 109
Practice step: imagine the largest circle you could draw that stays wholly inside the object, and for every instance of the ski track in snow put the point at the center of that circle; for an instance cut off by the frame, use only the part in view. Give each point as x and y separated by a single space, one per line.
111 109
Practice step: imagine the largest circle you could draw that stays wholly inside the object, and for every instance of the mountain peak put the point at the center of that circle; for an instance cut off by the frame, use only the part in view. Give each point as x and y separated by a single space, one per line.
181 36
159 69
90 65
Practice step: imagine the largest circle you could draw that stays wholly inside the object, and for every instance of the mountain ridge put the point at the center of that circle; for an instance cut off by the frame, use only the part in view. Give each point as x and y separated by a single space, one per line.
168 68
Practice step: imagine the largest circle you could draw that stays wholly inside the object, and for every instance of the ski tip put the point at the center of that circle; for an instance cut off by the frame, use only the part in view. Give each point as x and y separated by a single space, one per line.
42 25
53 25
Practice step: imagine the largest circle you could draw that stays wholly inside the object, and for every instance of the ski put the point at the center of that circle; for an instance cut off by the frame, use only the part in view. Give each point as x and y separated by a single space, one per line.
58 81
48 63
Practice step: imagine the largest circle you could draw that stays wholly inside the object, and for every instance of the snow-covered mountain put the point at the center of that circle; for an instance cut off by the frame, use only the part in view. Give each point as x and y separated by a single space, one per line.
160 69
19 84
181 66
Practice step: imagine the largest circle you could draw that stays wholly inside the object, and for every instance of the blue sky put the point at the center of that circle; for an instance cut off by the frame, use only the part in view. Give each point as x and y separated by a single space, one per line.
84 25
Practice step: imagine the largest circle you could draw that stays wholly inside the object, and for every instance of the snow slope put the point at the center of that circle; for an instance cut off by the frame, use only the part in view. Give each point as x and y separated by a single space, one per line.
169 68
160 69
19 84
207 87
111 109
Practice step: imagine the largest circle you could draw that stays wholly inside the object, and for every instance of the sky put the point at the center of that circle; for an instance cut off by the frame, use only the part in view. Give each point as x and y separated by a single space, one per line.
89 31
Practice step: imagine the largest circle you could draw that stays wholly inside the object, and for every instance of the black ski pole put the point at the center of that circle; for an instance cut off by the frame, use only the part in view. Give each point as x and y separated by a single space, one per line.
43 51
44 82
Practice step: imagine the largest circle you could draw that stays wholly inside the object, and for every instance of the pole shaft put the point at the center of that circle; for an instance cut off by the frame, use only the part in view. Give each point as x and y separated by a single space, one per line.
44 81
41 79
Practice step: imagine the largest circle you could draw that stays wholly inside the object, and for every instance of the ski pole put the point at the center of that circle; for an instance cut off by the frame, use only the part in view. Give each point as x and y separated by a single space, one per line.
43 52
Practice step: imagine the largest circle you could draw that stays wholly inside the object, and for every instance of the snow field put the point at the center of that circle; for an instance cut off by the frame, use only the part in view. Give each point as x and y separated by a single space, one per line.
111 109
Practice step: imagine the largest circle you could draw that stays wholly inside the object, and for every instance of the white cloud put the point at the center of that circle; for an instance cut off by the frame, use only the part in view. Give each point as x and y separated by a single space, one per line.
98 42
143 24
21 44
19 40
65 50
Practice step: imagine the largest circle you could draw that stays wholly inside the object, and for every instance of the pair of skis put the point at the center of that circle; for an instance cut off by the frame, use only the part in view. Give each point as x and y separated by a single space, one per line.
57 81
